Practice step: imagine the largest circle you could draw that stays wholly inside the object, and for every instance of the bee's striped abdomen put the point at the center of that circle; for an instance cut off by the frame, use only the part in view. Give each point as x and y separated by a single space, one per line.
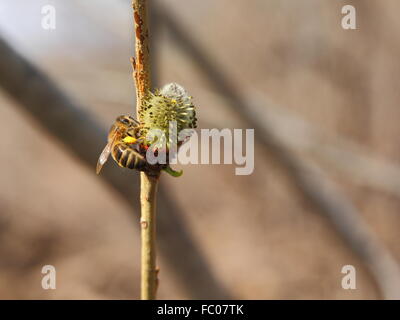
127 157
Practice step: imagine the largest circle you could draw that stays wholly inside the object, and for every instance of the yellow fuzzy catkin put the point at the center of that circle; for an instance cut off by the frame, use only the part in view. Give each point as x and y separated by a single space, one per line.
171 103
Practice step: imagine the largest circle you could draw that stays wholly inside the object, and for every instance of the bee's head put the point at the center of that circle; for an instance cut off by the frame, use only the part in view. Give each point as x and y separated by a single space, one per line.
126 121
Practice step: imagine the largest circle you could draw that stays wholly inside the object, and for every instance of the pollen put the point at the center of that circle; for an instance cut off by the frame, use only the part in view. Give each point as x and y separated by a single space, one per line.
129 140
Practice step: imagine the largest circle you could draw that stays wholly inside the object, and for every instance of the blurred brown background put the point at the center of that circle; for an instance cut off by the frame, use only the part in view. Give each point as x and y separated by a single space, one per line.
263 236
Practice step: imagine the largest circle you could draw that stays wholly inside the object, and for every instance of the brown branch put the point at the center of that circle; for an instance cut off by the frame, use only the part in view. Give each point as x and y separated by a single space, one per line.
149 183
142 69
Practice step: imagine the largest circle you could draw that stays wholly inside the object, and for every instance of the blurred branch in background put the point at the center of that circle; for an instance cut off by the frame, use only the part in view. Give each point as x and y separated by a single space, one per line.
312 183
326 197
37 95
349 159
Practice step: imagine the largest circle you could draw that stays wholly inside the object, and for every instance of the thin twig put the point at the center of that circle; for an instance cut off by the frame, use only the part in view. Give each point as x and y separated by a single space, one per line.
148 185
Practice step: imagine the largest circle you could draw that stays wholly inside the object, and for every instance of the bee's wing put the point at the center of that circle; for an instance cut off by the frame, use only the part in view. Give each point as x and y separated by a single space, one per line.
104 156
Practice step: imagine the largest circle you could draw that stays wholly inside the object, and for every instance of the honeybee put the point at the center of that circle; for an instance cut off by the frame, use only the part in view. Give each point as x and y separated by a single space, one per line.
122 137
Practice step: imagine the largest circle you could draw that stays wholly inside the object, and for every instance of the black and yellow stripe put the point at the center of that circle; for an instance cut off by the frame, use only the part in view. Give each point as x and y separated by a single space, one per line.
127 157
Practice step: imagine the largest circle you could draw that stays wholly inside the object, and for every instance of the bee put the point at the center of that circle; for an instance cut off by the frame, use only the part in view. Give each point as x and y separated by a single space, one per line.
122 138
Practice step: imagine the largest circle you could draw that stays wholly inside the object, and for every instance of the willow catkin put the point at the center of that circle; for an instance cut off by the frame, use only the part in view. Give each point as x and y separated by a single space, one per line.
171 103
